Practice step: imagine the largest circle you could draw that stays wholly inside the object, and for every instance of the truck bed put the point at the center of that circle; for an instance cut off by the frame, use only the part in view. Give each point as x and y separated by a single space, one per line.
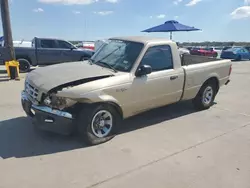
187 59
198 69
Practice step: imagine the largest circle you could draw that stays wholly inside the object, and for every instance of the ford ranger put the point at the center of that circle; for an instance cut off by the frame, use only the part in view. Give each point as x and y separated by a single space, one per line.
126 76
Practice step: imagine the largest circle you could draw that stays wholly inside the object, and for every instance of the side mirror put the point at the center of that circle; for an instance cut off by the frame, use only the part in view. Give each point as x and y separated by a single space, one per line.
143 70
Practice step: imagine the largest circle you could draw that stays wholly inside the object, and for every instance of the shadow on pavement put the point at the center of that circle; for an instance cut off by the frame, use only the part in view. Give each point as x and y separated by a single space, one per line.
19 139
158 115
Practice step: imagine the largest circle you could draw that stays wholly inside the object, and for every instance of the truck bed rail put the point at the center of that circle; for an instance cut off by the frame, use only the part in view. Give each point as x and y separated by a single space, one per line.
187 59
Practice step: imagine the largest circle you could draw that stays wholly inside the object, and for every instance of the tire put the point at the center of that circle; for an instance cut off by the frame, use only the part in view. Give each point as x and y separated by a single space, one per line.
84 58
238 58
205 97
86 123
24 65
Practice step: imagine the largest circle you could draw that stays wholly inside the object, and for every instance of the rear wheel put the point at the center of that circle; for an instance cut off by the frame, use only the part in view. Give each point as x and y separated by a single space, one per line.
24 65
98 123
205 97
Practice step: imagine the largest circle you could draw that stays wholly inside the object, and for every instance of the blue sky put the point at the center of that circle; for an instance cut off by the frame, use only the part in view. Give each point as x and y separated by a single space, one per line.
220 20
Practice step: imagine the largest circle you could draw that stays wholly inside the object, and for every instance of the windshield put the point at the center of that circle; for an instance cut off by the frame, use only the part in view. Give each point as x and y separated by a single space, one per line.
208 49
118 54
218 48
235 49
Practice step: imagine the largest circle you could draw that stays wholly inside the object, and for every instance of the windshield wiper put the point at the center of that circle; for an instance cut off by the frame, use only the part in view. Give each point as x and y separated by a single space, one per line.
100 60
107 65
104 63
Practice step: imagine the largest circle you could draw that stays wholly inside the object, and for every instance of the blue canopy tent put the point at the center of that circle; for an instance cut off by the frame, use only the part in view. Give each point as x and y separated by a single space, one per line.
171 26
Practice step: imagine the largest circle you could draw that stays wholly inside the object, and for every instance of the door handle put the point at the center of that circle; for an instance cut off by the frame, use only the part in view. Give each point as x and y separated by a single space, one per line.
173 77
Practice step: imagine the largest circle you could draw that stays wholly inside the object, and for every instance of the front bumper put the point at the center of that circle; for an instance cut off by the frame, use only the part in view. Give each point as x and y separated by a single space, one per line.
46 118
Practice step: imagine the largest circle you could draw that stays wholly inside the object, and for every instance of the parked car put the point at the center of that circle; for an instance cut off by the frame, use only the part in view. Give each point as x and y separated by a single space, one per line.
217 49
235 53
20 43
46 51
204 52
183 51
86 45
248 48
226 48
127 76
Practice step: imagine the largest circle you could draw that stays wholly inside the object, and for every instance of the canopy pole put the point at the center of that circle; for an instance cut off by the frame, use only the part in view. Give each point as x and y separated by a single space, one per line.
171 35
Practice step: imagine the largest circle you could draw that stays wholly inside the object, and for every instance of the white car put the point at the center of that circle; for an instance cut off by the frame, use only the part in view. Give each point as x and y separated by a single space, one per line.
21 43
217 49
183 51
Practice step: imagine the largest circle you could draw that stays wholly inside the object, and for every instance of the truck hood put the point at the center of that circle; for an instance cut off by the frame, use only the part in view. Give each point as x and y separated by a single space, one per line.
66 74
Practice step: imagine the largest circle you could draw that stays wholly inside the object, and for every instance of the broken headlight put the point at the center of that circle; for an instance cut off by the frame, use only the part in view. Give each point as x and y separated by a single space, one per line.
58 102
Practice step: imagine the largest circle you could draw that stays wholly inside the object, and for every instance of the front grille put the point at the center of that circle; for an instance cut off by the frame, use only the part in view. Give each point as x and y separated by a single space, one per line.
32 92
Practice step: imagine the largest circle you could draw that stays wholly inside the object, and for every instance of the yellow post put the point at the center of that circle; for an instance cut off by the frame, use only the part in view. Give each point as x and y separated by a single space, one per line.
12 68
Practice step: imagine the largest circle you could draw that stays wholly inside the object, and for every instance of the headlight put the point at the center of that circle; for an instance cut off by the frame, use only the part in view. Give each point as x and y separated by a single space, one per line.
58 102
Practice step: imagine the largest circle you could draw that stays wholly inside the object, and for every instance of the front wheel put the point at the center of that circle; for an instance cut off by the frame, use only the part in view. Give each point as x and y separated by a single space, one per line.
84 58
238 58
98 123
205 97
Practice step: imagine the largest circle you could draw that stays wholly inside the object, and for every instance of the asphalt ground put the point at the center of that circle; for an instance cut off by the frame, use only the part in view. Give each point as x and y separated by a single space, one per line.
173 146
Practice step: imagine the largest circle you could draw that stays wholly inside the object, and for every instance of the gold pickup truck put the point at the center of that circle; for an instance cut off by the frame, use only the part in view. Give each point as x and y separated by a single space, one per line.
126 76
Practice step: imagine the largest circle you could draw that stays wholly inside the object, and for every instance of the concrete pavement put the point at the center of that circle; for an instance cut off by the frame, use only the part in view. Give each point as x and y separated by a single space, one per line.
172 146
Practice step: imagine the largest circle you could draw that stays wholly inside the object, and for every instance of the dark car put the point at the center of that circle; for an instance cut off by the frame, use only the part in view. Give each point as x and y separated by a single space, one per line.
236 53
45 51
248 48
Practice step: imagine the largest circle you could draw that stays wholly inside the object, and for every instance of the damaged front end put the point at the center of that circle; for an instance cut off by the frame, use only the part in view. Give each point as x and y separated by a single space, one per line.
52 112
52 100
47 118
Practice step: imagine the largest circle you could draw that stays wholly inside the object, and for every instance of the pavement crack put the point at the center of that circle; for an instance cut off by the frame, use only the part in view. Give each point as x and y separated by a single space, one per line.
166 157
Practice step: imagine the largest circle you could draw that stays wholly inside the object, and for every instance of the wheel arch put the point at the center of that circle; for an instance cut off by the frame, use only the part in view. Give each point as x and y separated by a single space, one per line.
213 79
24 57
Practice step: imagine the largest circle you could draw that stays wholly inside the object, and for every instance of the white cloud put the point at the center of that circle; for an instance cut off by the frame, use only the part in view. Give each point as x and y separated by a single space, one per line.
176 17
104 13
38 10
193 2
160 16
76 12
176 2
241 12
75 2
111 1
68 2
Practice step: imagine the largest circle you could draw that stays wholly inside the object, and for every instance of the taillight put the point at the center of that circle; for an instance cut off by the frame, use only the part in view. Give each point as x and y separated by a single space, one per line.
230 70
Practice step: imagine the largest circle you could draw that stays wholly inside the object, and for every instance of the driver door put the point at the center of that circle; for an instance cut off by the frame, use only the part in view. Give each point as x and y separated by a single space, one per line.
47 52
163 86
68 52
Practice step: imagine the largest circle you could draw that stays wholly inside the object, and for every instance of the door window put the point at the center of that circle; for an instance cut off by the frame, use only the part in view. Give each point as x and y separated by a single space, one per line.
159 58
48 43
64 44
244 50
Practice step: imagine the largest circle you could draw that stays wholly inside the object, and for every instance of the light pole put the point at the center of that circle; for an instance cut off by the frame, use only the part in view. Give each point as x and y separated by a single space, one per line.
7 33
